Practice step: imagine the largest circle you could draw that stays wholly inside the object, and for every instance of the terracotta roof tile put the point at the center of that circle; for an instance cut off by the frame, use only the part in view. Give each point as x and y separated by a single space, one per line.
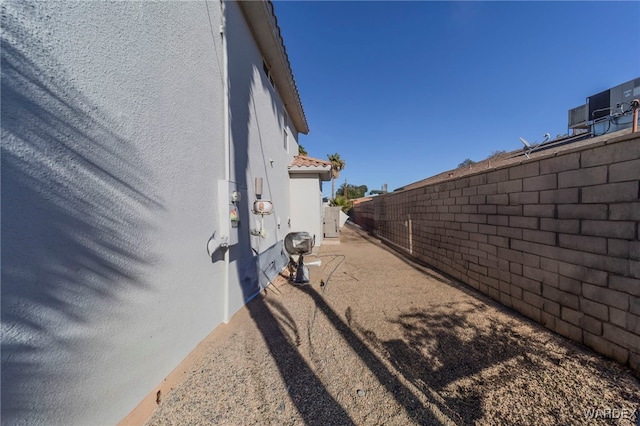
304 161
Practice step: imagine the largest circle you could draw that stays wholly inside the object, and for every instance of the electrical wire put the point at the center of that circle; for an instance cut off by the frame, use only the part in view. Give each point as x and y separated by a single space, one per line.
325 284
612 118
213 37
609 120
598 110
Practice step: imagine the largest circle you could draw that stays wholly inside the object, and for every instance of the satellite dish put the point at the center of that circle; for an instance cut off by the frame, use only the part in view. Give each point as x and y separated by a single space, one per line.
529 147
525 143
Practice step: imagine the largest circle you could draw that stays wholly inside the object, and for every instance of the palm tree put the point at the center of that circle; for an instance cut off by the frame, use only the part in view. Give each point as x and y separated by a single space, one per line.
337 164
301 150
344 203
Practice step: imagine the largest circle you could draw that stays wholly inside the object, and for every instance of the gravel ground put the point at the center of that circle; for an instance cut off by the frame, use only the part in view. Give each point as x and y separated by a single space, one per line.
377 340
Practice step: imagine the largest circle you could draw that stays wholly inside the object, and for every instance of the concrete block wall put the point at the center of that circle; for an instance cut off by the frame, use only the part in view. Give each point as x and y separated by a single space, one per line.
362 213
556 238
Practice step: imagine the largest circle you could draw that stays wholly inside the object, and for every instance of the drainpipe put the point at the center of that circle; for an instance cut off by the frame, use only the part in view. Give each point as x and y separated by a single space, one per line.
227 150
635 104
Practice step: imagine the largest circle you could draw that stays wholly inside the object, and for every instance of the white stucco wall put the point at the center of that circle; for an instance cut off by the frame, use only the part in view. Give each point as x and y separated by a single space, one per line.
258 150
112 142
112 152
306 205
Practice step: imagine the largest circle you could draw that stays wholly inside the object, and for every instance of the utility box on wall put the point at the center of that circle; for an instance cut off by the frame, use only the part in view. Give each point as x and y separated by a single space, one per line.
230 195
331 228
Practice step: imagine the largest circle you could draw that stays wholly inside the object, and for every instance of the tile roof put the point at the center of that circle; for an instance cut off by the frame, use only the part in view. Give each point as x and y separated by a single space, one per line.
304 161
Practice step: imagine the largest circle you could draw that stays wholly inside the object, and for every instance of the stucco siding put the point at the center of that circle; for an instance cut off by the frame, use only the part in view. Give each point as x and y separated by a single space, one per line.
306 205
257 151
112 135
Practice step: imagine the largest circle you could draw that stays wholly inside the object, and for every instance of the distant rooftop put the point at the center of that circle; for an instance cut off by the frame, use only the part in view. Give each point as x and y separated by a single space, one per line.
517 157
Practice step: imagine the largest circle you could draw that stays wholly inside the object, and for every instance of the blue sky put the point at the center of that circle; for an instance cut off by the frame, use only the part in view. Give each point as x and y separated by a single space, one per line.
406 90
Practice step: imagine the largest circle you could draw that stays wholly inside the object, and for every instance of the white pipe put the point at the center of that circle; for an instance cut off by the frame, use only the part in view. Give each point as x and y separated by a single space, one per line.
227 148
410 236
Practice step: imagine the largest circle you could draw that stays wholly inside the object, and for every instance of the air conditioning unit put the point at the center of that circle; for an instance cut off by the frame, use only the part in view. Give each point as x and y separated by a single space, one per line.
578 117
298 243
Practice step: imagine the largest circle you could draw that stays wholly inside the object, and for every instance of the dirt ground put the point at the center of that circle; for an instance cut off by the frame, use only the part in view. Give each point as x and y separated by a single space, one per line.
374 339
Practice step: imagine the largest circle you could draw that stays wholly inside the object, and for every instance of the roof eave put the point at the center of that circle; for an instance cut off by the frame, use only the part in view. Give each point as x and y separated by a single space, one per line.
264 25
323 172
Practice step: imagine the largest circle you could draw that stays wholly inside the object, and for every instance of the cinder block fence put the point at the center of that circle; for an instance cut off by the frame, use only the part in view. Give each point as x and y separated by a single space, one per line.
556 238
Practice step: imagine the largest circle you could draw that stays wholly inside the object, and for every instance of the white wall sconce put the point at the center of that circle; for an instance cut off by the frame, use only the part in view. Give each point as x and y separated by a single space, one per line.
262 207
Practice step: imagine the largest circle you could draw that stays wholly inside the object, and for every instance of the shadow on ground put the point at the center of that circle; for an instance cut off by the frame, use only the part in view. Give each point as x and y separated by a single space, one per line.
429 413
441 349
422 352
311 398
473 361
